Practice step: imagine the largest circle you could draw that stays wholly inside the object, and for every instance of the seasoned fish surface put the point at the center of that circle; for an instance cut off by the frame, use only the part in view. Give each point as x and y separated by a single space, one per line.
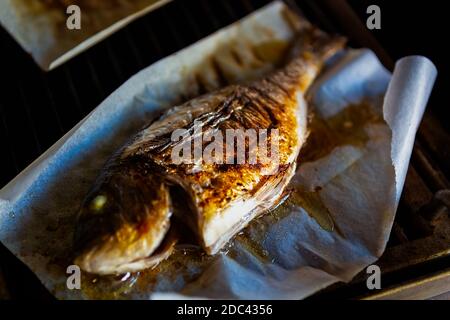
127 223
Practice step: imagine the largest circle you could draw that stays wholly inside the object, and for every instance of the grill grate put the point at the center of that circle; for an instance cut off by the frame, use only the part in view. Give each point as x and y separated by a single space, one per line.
37 108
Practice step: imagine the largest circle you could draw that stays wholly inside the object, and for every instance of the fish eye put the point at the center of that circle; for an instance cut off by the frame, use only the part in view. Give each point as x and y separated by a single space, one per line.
98 202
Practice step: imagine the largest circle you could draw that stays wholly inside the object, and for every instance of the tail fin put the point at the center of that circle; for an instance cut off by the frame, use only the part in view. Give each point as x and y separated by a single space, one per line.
313 42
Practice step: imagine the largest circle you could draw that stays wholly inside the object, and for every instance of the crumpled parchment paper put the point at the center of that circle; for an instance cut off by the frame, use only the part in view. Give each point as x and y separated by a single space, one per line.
40 26
347 199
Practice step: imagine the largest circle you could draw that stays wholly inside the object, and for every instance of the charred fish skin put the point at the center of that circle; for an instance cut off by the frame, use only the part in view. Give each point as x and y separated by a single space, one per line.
125 220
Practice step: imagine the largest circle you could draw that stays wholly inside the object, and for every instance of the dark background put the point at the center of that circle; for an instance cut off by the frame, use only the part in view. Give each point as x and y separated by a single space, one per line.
417 27
37 108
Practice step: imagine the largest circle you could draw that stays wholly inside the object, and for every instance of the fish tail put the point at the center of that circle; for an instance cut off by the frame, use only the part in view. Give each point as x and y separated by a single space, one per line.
312 42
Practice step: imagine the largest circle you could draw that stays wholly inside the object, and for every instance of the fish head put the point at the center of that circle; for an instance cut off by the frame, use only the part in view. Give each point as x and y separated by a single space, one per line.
122 222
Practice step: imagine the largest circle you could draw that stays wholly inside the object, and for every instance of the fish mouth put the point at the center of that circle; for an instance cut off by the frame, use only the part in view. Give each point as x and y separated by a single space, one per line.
105 260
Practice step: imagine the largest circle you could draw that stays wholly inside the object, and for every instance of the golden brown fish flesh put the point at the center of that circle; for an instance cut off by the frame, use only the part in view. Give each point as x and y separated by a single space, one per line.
127 223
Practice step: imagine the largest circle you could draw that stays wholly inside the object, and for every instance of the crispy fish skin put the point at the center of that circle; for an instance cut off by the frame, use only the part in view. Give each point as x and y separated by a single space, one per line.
133 192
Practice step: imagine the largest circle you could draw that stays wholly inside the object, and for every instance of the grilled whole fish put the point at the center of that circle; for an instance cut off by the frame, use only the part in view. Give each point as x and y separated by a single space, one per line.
126 222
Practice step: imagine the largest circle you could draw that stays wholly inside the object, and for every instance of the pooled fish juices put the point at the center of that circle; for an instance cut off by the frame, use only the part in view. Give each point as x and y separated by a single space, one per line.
156 186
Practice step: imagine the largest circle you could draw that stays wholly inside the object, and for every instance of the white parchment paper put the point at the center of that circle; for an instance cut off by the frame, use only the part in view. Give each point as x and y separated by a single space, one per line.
359 184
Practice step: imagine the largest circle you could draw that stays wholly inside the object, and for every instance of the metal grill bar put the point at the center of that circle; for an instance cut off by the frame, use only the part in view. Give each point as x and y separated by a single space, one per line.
136 53
94 76
52 104
115 64
209 14
153 40
436 180
190 21
8 140
230 12
73 92
436 140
